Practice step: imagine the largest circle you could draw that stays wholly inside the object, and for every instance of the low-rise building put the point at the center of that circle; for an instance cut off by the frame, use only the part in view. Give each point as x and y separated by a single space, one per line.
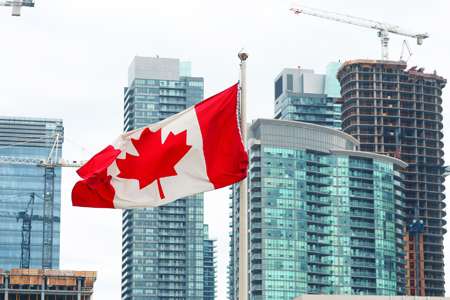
47 284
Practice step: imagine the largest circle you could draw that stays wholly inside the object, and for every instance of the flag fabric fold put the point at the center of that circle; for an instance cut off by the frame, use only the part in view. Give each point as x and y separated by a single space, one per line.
194 151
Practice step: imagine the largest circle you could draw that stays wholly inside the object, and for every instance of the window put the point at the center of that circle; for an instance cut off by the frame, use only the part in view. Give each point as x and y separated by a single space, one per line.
195 83
279 87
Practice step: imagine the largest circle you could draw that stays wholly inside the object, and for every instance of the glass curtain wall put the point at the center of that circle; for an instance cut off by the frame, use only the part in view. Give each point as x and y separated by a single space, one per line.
26 138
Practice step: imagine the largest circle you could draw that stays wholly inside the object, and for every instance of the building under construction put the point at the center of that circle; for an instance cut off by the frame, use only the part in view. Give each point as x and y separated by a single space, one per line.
21 284
397 111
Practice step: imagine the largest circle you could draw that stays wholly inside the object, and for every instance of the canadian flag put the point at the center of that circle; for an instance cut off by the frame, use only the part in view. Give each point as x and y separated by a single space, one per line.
197 150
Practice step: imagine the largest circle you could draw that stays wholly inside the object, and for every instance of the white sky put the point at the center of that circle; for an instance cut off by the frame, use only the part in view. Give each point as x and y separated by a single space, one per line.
69 60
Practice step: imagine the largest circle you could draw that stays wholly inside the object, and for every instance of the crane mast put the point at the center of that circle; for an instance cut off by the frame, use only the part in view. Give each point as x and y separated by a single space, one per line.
47 232
384 28
26 235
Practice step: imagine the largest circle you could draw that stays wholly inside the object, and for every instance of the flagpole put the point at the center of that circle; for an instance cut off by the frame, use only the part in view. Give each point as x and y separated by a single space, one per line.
243 248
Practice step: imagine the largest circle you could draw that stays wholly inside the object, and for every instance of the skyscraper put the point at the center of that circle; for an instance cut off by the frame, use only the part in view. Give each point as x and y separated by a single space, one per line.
323 218
398 112
157 89
301 95
209 261
26 138
165 254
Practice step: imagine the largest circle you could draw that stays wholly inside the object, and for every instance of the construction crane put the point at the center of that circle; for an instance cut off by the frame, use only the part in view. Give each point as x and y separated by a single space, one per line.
26 218
405 43
17 5
446 171
26 230
384 28
49 166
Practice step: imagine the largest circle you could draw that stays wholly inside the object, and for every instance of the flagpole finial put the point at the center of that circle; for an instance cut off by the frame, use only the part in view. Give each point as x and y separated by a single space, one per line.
243 55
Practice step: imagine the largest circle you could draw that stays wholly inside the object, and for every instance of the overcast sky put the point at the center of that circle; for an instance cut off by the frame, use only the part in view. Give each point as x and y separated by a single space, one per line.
69 60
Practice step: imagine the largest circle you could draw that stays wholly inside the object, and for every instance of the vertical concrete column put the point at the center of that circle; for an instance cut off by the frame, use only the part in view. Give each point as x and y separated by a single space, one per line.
43 288
6 287
79 288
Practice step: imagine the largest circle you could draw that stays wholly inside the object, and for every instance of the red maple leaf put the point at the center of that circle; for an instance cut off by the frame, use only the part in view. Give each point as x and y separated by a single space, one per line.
155 160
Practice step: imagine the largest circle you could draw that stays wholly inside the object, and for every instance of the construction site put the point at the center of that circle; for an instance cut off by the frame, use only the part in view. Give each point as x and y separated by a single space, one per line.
29 284
397 111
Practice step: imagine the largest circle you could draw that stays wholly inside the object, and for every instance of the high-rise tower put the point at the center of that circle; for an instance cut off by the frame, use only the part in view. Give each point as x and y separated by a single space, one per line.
323 218
398 112
209 263
165 254
301 95
27 138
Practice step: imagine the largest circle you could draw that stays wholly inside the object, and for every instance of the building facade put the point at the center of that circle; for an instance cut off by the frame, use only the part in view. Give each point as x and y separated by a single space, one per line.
209 262
47 284
157 89
398 112
323 218
27 138
341 297
164 253
301 95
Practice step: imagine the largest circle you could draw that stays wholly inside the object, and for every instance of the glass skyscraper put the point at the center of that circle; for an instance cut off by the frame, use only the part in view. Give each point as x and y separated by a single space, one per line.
26 138
323 218
301 95
209 261
165 253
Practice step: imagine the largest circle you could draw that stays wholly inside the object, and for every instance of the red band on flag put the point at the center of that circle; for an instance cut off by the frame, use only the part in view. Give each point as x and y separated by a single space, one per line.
222 141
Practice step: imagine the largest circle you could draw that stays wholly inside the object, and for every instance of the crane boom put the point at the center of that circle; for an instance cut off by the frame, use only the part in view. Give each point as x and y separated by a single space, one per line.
39 162
21 160
20 215
384 28
405 43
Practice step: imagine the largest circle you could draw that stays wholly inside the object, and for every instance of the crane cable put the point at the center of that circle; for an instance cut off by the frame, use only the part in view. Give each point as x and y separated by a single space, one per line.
47 136
82 148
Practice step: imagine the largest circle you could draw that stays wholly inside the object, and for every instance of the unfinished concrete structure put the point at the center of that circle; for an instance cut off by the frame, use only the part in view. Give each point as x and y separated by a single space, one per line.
398 112
365 297
20 284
